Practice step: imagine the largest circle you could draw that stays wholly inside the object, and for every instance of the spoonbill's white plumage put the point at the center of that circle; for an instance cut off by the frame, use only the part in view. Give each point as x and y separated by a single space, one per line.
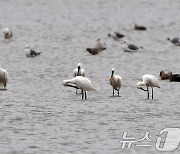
130 47
79 71
30 52
3 77
82 83
7 33
115 81
116 35
100 44
148 81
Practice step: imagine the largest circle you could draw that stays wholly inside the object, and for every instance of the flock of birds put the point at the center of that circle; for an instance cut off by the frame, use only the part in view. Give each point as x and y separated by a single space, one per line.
80 81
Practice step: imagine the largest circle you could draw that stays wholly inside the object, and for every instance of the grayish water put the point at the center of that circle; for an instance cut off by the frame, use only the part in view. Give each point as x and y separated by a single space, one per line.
39 115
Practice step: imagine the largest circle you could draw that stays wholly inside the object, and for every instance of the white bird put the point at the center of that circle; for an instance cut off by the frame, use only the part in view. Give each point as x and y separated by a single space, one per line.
116 35
130 47
100 44
148 81
82 83
79 72
7 33
115 81
3 77
30 52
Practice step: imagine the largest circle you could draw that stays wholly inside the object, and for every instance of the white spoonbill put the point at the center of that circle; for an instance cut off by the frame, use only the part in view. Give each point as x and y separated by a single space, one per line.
79 71
3 77
7 33
115 81
30 52
82 83
148 81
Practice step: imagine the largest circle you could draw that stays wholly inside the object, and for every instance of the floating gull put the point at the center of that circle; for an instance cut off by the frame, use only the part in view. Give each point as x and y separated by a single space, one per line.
116 35
94 51
7 33
115 81
139 27
175 41
31 53
148 81
130 47
3 77
100 44
82 83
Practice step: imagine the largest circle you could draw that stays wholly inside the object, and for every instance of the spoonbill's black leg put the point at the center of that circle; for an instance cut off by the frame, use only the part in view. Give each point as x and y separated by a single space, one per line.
85 95
148 92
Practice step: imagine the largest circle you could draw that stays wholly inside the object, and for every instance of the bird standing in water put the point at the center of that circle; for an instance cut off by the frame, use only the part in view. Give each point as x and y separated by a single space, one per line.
3 77
148 81
82 83
115 81
79 72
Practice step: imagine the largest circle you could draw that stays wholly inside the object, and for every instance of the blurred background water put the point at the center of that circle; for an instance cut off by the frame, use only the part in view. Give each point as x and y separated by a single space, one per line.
39 115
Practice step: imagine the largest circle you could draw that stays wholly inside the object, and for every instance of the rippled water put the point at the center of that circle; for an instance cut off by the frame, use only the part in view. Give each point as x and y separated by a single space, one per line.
39 115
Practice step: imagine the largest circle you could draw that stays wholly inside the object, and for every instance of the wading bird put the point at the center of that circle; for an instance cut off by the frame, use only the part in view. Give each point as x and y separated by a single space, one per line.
115 81
79 72
82 83
3 77
148 81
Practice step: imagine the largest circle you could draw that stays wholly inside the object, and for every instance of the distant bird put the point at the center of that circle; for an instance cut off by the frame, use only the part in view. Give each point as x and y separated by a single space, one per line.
130 47
79 72
115 81
164 76
174 77
94 51
175 41
82 83
148 81
3 77
100 44
139 27
30 52
7 33
116 35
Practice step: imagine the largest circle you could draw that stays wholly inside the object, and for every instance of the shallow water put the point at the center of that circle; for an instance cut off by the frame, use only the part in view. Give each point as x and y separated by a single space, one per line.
39 115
